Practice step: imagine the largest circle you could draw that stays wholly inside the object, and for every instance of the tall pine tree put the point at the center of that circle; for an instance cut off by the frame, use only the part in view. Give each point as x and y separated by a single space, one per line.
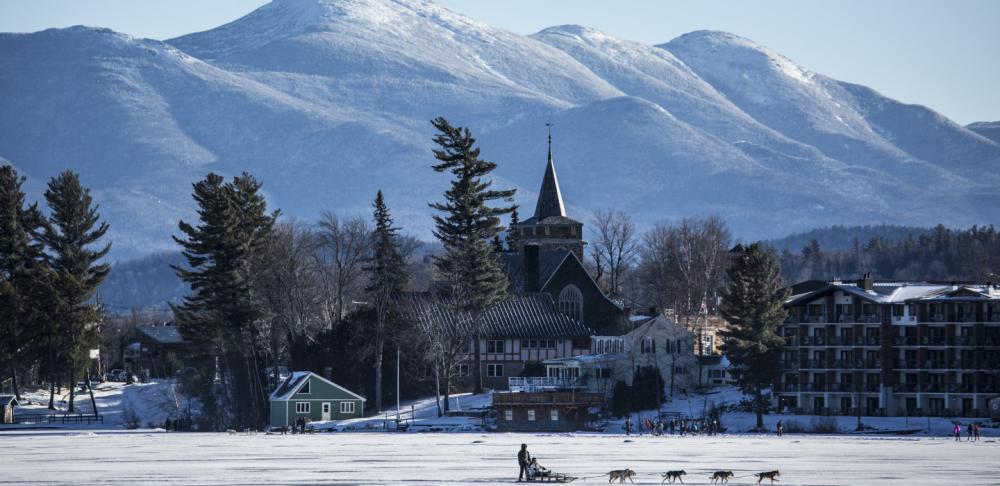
220 318
387 276
466 226
752 304
26 291
512 237
74 226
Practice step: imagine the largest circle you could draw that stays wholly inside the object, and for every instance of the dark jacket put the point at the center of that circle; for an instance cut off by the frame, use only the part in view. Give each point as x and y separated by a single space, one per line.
523 457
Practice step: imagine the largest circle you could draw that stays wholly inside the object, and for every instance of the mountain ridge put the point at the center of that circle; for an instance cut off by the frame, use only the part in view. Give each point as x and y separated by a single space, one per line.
328 101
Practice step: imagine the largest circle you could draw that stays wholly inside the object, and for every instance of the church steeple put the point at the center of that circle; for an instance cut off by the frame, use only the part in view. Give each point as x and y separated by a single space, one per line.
550 202
550 229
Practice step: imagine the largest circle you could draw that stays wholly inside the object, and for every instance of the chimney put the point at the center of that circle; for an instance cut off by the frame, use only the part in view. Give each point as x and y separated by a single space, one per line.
866 282
531 277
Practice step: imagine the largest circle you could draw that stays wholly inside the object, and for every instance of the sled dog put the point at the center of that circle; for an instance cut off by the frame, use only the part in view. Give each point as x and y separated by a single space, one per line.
721 476
772 475
672 476
621 475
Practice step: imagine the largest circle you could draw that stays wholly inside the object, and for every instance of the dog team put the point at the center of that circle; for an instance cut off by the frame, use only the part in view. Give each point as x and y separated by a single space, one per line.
531 470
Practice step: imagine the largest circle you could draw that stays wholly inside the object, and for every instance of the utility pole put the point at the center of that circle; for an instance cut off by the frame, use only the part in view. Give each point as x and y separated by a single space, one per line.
397 388
859 410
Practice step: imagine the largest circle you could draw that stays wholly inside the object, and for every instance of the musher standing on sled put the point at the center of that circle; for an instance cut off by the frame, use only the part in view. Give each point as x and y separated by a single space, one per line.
524 460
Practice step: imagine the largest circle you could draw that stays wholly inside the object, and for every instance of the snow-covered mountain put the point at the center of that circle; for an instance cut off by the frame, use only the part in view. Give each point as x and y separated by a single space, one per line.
990 130
327 101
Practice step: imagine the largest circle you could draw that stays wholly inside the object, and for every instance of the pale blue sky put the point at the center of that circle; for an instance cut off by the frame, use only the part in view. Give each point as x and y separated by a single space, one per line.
943 54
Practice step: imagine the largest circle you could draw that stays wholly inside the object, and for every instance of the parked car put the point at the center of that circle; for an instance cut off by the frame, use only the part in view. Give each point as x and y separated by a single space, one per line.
116 375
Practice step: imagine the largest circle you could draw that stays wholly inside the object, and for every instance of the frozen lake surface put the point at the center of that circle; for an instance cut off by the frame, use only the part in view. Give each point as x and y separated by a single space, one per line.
476 459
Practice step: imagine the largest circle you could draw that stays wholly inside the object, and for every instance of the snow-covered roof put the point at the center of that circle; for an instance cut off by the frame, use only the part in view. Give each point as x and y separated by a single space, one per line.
902 292
290 386
162 334
297 379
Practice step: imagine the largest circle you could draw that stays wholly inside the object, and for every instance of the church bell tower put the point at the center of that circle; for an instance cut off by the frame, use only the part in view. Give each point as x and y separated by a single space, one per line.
550 229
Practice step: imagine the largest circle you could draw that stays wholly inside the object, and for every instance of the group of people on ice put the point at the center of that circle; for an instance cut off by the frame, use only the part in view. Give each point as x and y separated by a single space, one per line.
972 429
659 426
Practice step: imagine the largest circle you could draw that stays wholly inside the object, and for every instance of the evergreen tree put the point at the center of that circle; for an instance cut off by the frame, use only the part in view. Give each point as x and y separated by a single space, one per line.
512 236
465 228
387 274
74 226
752 304
220 318
25 282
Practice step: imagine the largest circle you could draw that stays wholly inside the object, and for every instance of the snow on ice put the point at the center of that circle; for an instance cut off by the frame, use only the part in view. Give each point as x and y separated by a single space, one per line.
475 458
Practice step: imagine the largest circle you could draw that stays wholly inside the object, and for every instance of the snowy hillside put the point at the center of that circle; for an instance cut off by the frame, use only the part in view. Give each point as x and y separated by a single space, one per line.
990 130
327 101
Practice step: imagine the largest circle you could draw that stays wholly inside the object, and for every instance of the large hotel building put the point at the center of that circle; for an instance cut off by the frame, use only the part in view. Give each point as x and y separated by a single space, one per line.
892 348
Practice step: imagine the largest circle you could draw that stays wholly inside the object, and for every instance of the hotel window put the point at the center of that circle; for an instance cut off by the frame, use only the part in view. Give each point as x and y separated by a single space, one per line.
531 415
462 370
301 407
554 415
508 415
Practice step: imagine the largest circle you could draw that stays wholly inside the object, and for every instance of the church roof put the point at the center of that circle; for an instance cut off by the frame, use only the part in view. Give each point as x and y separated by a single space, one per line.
549 220
550 202
548 262
524 316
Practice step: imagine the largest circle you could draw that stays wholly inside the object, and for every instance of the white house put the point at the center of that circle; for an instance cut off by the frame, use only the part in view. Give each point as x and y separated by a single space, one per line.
658 342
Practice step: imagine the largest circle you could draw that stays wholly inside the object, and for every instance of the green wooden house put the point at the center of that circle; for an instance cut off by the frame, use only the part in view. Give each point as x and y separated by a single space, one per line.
306 394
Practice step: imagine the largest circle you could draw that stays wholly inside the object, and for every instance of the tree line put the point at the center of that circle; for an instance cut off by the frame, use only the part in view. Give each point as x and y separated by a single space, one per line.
939 253
50 267
267 294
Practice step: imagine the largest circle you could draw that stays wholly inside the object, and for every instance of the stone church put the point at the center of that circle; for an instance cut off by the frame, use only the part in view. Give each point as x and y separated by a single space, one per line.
549 259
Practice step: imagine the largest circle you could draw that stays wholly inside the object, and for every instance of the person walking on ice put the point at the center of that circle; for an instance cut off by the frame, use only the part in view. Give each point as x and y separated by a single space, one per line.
958 432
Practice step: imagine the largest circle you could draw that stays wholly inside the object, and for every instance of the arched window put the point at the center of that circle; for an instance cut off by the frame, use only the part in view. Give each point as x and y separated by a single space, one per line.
571 302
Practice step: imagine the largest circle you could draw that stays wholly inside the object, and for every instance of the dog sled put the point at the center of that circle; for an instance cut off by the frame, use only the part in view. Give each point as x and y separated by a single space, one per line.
551 477
542 475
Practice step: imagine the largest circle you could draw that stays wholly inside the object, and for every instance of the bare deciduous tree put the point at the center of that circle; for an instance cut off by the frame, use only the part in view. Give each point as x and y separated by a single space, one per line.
614 248
340 249
292 285
684 265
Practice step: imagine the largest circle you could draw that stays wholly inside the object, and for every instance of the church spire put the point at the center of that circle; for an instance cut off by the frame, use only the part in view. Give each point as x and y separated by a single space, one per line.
550 202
